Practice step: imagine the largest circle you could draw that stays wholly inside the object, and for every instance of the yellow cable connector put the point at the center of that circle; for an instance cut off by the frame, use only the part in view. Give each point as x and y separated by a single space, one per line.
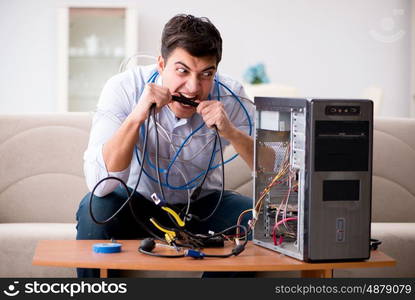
168 238
169 234
179 221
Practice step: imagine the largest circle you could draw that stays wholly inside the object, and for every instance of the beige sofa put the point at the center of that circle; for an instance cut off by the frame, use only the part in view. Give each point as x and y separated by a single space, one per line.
41 184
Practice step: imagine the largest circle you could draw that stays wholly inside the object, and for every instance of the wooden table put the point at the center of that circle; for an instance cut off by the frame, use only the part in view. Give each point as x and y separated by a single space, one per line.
79 254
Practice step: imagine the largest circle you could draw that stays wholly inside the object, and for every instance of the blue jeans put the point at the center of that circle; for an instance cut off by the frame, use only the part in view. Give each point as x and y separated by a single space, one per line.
124 226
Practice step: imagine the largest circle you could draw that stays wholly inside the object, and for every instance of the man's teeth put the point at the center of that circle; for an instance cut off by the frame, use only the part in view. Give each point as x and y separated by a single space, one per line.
188 96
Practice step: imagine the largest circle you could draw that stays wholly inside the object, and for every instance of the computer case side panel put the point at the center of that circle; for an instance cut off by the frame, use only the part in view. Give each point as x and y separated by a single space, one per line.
340 180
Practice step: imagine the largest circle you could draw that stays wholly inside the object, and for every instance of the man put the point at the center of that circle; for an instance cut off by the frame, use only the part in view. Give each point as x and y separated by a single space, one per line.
190 53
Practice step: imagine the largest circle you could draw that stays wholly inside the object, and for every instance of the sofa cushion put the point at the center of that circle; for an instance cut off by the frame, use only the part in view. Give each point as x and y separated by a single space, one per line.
393 170
398 241
42 198
19 242
41 166
237 172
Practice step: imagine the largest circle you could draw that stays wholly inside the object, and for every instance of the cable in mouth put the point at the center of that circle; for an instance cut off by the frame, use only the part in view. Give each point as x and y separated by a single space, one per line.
184 100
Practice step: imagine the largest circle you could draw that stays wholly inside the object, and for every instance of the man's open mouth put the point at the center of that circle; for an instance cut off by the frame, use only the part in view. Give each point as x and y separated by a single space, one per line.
185 101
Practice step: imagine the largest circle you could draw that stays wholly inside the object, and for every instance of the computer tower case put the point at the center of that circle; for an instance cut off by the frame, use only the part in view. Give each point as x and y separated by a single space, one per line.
313 177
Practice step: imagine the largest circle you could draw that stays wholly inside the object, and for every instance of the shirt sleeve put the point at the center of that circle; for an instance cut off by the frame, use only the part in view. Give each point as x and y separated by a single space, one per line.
112 109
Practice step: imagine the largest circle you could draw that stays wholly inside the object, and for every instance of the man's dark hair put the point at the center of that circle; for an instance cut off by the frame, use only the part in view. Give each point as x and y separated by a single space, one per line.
198 36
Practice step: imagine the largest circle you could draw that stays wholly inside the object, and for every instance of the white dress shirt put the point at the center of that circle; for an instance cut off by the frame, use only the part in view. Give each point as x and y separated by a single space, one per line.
119 97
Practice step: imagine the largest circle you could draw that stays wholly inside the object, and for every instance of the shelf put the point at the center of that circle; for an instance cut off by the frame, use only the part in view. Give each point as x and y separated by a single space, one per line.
94 40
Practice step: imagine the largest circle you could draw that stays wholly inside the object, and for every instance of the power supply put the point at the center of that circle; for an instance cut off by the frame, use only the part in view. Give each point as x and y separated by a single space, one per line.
313 177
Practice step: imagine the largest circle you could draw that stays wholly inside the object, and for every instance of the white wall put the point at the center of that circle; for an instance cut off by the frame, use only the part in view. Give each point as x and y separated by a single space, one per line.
412 105
325 48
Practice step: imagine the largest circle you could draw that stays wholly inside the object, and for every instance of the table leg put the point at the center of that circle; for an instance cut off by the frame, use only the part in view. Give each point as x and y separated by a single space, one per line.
324 273
103 273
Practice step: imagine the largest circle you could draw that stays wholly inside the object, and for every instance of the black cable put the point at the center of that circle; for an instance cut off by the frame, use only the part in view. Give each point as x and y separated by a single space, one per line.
130 195
238 249
158 167
223 179
91 197
137 219
196 192
230 228
157 156
374 244
123 184
201 238
148 245
161 255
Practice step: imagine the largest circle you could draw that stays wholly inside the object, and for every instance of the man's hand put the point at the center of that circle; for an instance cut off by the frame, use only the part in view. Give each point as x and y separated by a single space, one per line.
213 113
152 93
118 151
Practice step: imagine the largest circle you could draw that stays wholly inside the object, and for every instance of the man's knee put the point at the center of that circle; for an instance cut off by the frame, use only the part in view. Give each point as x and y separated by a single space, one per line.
102 209
238 202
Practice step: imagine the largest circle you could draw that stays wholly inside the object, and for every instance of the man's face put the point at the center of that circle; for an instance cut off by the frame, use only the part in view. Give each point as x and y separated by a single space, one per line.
191 76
